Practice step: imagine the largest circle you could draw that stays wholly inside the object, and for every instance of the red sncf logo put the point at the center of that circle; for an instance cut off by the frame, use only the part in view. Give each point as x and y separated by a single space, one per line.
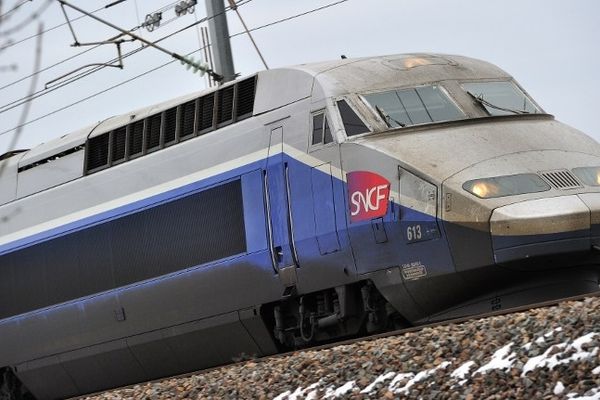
368 195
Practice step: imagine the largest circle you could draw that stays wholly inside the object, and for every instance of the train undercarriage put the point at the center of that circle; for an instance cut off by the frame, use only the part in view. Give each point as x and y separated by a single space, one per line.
331 315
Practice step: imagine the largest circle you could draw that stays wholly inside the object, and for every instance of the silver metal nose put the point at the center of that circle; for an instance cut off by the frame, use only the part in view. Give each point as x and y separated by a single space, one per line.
540 227
539 217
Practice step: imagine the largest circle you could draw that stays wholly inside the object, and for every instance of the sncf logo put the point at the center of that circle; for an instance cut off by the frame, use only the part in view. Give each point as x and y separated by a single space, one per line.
369 194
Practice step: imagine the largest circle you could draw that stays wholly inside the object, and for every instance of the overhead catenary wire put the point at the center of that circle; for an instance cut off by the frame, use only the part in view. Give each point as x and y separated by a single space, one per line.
71 57
18 102
279 21
3 16
42 92
24 114
166 7
14 43
32 17
96 94
47 68
170 62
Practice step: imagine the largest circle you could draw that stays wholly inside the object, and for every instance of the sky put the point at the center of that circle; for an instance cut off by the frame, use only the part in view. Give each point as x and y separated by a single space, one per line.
549 46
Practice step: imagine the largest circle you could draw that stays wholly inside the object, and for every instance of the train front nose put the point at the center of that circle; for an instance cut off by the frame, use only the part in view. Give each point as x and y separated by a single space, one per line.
544 227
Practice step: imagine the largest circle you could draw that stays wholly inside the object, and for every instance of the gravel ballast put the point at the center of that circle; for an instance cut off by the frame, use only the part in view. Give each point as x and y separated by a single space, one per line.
547 353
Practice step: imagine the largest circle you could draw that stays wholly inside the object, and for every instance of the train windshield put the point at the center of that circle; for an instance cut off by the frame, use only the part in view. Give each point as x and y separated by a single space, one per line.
420 105
500 98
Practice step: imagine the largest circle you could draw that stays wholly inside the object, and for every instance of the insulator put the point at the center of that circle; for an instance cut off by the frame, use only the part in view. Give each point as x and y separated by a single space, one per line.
152 21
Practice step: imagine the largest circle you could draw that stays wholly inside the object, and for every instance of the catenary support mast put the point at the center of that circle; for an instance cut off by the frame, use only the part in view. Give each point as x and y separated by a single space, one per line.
219 33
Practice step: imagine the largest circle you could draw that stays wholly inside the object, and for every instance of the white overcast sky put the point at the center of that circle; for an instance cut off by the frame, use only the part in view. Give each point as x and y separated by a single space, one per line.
550 46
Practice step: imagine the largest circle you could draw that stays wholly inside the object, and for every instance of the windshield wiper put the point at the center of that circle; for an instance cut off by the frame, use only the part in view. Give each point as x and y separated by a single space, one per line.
486 103
386 117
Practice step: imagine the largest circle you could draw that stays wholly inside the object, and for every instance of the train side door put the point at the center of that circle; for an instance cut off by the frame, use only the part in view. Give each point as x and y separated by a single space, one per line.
419 200
323 147
277 193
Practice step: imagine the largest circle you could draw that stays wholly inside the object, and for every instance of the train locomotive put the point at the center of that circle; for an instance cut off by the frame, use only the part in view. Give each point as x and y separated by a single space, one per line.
296 206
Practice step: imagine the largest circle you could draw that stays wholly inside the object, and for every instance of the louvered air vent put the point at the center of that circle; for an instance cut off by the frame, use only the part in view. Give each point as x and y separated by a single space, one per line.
118 144
207 106
195 117
97 152
136 138
245 98
187 113
170 125
153 132
225 105
561 179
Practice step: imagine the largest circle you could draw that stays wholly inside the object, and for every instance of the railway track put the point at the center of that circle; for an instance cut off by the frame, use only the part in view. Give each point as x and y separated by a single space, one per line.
352 341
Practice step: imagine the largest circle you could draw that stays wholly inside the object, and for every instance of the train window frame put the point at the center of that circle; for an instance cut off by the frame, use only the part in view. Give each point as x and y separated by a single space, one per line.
510 81
325 126
358 114
437 85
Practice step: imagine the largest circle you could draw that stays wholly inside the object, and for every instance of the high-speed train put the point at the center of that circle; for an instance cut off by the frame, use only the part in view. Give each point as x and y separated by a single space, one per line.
295 206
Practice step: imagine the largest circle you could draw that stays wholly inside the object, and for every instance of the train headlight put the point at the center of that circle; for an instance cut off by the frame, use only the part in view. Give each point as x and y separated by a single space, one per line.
507 185
483 189
588 175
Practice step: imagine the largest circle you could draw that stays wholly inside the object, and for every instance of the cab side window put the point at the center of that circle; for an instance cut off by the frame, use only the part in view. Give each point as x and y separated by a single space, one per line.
321 133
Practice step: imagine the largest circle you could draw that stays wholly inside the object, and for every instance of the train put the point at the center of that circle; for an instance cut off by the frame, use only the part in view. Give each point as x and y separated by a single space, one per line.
295 206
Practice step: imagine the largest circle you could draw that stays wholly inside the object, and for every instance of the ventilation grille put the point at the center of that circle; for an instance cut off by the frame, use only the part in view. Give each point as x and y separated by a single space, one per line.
196 117
187 118
170 125
118 144
561 179
97 155
245 98
207 105
225 107
136 138
153 132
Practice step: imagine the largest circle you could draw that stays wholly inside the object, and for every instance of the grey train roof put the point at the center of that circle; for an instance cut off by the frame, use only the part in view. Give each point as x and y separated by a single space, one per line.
282 86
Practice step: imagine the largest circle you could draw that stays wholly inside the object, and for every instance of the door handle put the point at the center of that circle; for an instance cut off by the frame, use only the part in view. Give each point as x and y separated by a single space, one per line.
278 253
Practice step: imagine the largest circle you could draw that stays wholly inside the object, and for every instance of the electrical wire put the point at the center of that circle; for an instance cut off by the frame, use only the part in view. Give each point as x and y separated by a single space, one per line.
289 18
32 17
168 63
166 7
11 44
12 10
25 112
96 94
14 43
42 92
48 67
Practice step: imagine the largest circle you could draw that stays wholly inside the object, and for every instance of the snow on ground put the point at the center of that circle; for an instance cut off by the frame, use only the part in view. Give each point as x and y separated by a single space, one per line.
400 382
594 396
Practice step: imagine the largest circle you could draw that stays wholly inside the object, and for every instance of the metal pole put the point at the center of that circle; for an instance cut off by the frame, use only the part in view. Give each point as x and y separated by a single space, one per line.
141 39
219 33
